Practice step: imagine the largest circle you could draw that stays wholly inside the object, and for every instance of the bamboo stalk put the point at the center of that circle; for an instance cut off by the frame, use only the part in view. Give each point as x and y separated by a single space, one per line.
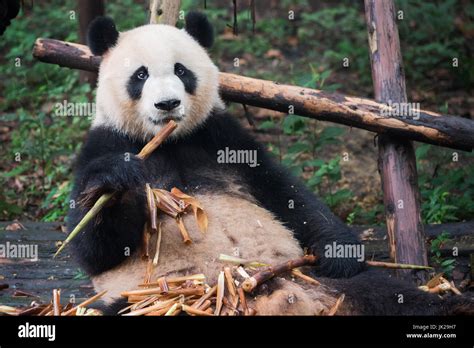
182 229
297 273
230 282
159 291
192 310
11 310
243 301
336 306
395 265
56 302
157 140
239 261
258 278
220 293
162 306
172 310
151 206
138 305
242 272
46 310
164 285
99 204
85 303
206 296
205 305
178 280
158 245
143 154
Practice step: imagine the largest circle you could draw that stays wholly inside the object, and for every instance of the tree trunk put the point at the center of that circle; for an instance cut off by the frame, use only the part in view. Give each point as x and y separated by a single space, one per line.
88 10
397 163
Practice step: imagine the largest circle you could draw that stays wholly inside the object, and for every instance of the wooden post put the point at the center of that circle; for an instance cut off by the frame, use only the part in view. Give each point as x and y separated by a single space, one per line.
88 10
164 11
397 164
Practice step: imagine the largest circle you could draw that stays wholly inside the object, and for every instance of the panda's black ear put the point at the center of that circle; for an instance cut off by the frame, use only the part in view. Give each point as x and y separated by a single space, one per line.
198 26
101 35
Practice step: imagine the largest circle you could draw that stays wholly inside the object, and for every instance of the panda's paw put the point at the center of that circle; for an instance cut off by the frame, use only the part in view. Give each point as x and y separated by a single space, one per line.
333 265
116 173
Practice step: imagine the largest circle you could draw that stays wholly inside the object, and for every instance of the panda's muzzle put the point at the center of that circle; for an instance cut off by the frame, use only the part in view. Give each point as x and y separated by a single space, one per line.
168 105
164 120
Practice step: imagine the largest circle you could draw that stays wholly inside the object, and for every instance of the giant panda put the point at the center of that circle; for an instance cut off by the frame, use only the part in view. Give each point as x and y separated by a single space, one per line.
156 73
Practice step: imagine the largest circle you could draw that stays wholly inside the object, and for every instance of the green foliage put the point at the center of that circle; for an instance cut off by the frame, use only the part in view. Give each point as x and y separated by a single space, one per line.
80 275
446 184
447 265
338 32
436 210
430 40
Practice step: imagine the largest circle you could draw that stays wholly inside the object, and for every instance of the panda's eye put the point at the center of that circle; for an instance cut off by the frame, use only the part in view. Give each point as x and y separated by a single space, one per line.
179 70
142 75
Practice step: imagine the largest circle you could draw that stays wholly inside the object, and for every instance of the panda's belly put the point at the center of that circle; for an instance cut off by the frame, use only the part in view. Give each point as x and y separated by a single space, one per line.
237 227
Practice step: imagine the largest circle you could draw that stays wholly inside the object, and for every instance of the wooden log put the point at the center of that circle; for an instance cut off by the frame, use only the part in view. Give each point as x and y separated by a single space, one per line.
397 162
449 131
164 11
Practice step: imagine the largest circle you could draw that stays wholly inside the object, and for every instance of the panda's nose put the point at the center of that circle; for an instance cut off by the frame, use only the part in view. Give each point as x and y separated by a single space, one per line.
168 105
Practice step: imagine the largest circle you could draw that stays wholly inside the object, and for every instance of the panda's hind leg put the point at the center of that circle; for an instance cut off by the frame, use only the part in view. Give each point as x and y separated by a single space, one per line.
285 297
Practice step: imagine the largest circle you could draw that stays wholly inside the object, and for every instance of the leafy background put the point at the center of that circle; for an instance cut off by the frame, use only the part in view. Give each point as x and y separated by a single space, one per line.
336 162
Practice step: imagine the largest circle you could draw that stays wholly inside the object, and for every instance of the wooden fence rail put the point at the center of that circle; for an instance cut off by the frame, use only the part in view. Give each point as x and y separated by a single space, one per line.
428 127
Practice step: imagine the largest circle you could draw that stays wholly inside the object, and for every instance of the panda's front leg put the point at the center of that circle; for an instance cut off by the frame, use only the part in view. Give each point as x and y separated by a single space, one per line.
340 253
117 231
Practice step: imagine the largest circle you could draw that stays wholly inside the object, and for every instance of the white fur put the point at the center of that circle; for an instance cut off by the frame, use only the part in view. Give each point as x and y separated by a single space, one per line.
157 47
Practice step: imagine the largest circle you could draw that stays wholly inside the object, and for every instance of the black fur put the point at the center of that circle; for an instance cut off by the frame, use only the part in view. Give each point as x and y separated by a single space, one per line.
9 9
101 35
113 308
135 84
198 26
103 167
191 165
375 292
188 78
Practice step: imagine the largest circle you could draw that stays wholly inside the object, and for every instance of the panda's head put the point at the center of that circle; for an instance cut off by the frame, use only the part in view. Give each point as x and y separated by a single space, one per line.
152 74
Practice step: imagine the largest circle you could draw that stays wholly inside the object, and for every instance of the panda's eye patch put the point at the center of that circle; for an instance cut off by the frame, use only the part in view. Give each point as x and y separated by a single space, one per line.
136 81
187 77
142 73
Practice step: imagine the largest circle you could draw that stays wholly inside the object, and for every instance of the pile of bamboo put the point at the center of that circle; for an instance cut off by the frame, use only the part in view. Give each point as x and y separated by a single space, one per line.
54 308
192 295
